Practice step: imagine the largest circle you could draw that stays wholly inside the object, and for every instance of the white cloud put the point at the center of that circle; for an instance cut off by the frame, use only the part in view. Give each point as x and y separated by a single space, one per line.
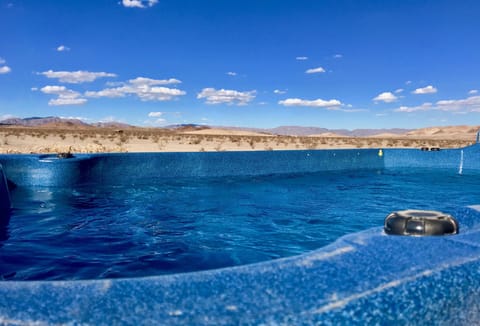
5 70
152 82
6 116
158 93
227 96
139 3
279 91
338 56
76 118
408 82
110 118
424 107
146 89
64 96
157 121
108 92
301 58
63 48
472 91
318 103
399 90
155 114
425 90
469 104
386 97
75 77
114 83
53 89
315 70
231 73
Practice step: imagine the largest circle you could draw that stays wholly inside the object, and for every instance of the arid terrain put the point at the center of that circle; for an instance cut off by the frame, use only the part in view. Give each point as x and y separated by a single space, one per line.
61 138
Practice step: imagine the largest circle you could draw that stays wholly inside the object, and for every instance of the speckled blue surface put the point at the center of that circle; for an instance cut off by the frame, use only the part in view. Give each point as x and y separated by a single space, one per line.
363 278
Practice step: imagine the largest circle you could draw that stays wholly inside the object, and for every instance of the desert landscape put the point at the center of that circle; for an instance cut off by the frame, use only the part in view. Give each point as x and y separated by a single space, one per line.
63 136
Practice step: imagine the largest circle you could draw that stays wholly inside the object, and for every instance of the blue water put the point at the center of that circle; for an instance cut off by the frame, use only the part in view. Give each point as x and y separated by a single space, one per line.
169 226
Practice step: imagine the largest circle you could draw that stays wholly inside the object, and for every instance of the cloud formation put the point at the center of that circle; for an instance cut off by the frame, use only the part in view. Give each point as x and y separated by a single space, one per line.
63 48
158 118
155 114
425 90
231 73
279 91
315 70
469 104
64 96
338 56
301 58
424 107
473 91
146 89
386 97
75 77
6 116
226 96
318 103
139 3
4 69
152 82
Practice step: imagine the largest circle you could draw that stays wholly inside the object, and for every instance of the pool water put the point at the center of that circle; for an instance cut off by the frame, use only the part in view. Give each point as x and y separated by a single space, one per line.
167 226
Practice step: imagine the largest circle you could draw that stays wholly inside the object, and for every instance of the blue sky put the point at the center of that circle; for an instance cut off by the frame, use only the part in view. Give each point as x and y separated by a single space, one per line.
256 63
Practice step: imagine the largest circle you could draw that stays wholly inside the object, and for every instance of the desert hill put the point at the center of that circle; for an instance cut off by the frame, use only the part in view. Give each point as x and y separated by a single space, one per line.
48 122
439 132
318 131
57 135
456 132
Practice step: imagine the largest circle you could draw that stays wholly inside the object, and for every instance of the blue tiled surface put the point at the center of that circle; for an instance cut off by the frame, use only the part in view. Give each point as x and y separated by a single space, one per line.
363 278
30 170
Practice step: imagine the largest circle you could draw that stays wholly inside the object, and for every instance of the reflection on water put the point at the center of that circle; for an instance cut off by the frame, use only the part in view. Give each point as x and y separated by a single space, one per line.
172 226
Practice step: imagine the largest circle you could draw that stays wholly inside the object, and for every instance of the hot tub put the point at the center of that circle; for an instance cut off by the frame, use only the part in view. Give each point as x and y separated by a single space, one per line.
362 277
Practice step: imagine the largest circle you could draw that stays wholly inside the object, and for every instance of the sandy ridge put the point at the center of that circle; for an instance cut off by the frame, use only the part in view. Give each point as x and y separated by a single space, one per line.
96 140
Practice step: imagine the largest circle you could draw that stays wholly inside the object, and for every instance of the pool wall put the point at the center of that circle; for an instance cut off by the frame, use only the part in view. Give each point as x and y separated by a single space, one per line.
48 170
362 278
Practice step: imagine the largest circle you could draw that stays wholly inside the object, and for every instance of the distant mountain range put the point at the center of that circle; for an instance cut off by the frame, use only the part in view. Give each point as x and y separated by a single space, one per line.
57 122
41 121
60 123
308 131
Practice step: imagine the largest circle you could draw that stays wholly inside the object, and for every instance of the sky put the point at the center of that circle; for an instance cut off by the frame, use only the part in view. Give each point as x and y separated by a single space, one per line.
251 63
